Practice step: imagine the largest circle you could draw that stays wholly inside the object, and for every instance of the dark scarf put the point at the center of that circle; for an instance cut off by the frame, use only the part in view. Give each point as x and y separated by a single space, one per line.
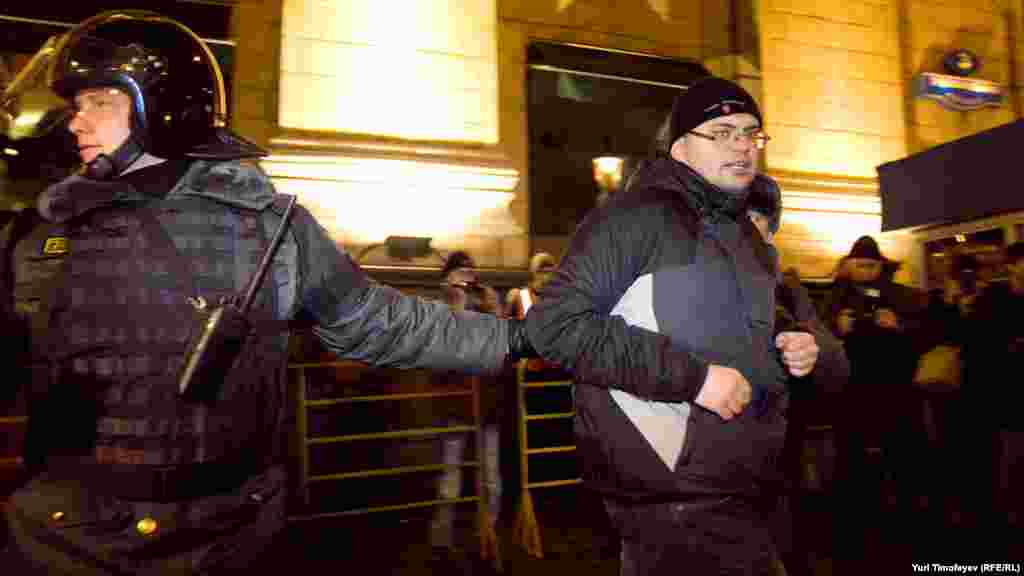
710 202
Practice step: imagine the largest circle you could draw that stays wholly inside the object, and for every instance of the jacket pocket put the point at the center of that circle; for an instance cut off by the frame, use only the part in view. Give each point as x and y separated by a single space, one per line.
734 455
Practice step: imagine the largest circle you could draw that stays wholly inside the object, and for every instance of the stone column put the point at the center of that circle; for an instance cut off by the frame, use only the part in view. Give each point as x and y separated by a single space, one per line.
833 97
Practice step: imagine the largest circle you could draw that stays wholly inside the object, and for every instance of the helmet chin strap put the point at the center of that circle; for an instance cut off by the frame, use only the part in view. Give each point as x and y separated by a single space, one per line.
108 167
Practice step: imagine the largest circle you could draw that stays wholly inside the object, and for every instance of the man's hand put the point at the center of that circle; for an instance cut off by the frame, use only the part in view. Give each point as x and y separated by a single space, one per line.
799 351
725 392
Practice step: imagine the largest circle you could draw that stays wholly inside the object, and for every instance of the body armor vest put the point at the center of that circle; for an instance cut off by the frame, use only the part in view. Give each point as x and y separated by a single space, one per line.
117 320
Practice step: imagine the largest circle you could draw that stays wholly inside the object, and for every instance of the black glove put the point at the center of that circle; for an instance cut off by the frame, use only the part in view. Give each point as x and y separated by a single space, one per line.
519 345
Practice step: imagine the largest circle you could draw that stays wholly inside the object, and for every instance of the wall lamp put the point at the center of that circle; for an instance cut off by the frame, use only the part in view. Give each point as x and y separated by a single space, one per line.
608 175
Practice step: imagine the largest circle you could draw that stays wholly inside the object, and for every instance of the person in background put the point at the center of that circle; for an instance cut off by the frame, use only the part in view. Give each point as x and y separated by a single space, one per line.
945 421
462 291
992 443
519 300
878 321
807 394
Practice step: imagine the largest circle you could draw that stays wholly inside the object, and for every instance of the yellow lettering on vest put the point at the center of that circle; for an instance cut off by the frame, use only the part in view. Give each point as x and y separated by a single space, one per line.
55 246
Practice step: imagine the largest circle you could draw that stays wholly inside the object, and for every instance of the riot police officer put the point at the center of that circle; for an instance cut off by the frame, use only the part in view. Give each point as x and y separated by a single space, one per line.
166 213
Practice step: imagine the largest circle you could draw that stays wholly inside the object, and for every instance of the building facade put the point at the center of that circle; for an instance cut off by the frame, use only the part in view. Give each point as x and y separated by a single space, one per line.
412 118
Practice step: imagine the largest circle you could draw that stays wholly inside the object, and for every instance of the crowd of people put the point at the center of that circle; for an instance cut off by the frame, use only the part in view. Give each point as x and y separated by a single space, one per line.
926 368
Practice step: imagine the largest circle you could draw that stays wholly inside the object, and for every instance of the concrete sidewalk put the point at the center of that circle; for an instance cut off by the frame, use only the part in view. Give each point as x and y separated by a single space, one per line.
577 539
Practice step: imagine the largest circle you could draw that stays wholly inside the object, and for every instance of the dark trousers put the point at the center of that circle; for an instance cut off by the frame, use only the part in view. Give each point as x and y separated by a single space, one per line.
714 537
793 550
951 454
654 559
871 448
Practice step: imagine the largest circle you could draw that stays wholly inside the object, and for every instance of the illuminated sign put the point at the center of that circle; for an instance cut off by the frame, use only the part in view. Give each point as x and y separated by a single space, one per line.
958 92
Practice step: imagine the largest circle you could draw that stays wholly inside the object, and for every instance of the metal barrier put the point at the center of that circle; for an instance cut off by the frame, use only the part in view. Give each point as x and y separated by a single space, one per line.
527 529
488 540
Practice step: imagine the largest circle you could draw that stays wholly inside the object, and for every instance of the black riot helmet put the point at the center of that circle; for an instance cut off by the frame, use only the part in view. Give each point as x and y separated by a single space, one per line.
173 80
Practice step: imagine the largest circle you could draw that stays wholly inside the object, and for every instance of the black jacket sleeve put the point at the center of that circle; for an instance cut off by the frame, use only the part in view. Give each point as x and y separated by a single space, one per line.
832 369
359 319
571 324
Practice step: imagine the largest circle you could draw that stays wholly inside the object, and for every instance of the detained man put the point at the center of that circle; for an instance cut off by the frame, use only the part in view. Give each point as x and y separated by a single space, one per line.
663 309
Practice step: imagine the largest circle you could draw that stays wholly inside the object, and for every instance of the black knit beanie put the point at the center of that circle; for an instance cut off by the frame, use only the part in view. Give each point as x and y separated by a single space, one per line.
709 98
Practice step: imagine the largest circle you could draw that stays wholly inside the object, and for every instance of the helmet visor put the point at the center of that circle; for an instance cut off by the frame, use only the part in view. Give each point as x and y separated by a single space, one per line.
28 107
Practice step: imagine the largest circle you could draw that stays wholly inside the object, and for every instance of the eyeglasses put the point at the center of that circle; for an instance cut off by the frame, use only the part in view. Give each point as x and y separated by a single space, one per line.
725 136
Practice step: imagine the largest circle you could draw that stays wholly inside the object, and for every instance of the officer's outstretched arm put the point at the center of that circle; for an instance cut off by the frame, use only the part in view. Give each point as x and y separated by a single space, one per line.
360 319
